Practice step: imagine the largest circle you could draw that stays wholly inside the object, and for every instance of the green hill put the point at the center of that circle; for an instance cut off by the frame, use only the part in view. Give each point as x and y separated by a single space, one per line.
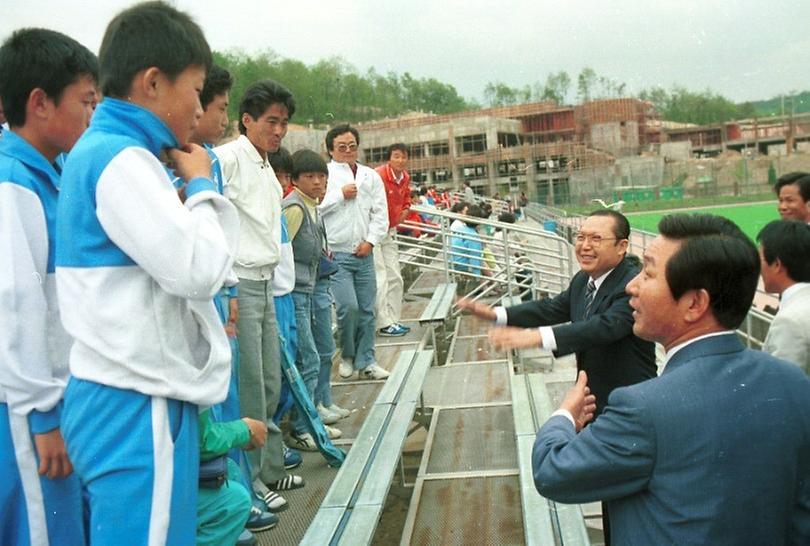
773 107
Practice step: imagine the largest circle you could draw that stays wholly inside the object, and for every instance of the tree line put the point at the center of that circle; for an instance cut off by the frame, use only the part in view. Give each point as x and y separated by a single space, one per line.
333 90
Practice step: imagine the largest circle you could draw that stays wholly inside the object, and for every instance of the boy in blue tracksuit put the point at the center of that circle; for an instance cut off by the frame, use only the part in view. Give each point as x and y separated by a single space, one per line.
137 266
216 507
48 87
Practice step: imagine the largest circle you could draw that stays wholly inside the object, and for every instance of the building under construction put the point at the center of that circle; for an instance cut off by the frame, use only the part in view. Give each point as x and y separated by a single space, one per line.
562 154
530 147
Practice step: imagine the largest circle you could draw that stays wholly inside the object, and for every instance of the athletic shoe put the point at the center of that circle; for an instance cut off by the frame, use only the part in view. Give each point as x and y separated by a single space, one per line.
303 441
333 432
288 482
403 327
342 412
246 539
328 417
346 368
373 371
395 330
260 520
292 458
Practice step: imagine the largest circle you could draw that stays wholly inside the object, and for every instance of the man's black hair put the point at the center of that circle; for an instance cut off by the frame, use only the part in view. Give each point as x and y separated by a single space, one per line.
801 179
789 242
39 58
621 226
262 95
217 82
281 161
397 146
146 35
716 256
338 130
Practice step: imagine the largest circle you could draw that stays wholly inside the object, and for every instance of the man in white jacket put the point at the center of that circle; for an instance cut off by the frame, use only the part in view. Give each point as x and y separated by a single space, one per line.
355 215
784 250
251 185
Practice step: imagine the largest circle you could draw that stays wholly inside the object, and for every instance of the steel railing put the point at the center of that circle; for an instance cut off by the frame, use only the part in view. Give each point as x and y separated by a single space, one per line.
514 260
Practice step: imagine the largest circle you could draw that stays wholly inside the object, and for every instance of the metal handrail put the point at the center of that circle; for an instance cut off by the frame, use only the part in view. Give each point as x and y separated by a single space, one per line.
517 260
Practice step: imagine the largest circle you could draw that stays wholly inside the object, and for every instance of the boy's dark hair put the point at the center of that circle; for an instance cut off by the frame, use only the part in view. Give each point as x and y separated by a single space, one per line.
39 58
789 242
281 161
506 217
473 214
458 206
422 190
716 256
338 130
217 82
801 179
307 161
146 35
397 146
621 226
262 95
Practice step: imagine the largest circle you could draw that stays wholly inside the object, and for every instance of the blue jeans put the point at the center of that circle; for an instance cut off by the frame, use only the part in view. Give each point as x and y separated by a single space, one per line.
306 360
355 289
322 333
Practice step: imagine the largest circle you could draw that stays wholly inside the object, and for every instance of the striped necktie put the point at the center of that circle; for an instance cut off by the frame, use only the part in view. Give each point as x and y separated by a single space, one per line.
590 292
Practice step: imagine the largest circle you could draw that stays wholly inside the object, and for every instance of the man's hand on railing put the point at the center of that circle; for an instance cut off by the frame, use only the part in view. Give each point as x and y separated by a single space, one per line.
480 310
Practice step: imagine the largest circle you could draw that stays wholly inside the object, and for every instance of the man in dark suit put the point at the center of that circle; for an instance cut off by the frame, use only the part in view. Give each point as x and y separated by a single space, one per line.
717 449
601 324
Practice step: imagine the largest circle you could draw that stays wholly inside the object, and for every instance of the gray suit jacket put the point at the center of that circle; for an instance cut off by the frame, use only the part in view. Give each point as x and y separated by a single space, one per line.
789 335
714 451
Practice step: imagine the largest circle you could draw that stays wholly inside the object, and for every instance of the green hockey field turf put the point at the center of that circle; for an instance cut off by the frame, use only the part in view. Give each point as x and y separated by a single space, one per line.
751 218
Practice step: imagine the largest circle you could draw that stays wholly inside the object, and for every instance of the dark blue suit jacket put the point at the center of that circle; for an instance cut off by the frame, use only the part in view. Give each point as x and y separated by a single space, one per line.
714 451
604 343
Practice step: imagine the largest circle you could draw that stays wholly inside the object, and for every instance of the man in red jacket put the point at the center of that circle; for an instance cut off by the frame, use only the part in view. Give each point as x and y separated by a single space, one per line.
386 258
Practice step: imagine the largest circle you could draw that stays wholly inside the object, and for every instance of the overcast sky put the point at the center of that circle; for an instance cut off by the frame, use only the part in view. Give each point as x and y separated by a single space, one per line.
743 49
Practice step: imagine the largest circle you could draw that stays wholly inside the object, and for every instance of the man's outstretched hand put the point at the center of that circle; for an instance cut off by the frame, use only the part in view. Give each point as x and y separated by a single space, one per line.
506 338
480 310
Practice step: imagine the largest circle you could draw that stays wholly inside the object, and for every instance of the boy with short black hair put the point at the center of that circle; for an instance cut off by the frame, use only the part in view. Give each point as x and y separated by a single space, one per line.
309 175
48 84
218 510
282 164
138 264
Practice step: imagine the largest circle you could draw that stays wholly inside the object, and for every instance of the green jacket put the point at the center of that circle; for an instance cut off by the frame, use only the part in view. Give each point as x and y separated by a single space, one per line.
217 438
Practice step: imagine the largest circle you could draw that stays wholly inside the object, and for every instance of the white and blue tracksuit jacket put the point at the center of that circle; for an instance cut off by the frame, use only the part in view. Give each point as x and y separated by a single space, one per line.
33 353
33 345
136 268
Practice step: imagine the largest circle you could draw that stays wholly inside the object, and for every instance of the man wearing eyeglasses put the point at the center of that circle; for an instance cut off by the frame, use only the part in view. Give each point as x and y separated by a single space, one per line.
355 215
600 332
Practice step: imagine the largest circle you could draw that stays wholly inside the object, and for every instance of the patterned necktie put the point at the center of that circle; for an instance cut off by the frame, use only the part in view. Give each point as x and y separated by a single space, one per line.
590 291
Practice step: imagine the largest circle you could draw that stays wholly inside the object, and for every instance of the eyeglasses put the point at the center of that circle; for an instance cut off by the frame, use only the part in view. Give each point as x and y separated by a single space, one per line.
595 240
346 147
